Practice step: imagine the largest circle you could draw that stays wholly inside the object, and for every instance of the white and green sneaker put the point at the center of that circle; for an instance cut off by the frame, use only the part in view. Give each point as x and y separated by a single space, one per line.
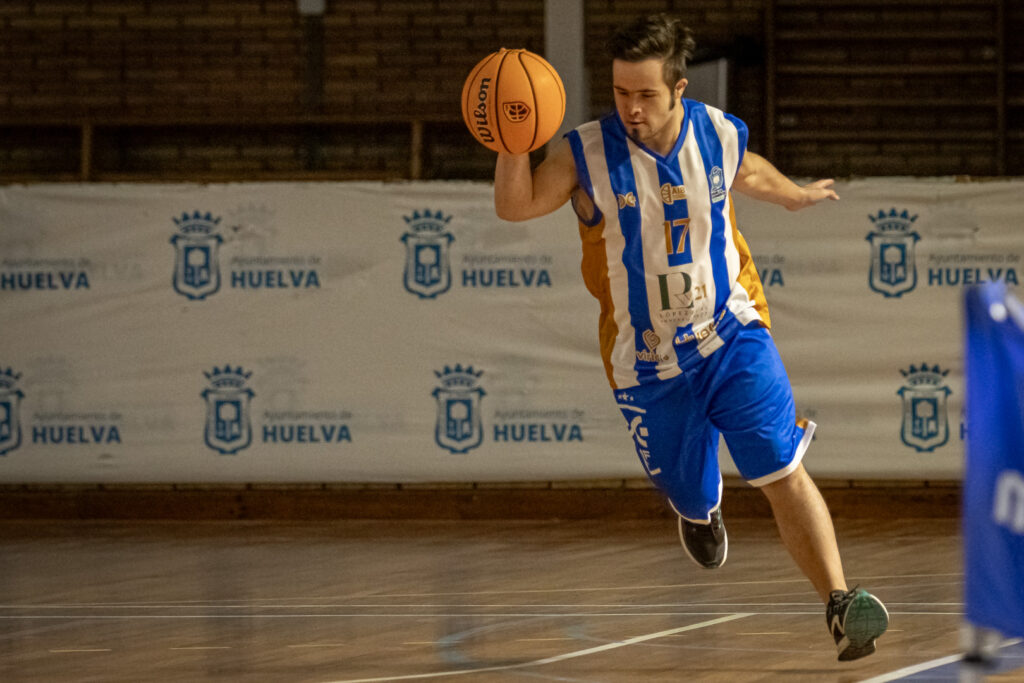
855 619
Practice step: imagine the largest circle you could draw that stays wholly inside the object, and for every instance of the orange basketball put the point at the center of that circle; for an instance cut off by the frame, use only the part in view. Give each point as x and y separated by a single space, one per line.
513 101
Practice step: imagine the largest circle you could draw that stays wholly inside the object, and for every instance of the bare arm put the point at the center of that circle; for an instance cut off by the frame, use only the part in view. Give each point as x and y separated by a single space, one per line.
757 178
520 194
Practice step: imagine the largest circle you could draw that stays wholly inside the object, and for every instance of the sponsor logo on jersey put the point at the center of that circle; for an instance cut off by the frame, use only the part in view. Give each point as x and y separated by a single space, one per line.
676 291
651 341
672 193
628 199
925 416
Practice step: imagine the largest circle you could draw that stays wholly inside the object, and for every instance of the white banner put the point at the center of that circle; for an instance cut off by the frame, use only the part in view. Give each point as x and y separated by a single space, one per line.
317 332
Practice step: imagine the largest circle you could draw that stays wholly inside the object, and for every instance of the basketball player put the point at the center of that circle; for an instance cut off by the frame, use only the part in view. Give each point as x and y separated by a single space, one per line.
683 324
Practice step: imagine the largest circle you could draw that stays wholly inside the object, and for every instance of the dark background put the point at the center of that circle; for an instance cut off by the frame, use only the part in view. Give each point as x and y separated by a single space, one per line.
210 90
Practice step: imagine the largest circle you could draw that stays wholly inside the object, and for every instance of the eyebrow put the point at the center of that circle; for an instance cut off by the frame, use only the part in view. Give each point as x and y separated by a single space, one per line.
621 89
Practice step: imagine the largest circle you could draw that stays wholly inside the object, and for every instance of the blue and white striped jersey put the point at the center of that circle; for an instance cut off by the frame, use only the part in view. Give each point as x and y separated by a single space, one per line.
661 251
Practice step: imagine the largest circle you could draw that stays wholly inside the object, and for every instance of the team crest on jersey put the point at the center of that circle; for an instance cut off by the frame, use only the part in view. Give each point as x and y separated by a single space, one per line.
716 179
925 418
228 423
196 267
10 411
458 427
427 268
672 193
893 267
628 199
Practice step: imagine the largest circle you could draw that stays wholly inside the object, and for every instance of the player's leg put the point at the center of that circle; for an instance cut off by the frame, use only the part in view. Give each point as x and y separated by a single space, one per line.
855 618
679 452
805 526
753 406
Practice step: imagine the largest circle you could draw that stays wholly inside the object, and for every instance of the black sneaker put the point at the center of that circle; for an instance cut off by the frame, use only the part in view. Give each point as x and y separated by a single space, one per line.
855 619
706 544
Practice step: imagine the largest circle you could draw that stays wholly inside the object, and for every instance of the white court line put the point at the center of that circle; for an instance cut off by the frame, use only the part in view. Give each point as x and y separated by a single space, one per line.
219 603
556 658
396 615
422 615
925 666
465 605
656 586
916 668
315 645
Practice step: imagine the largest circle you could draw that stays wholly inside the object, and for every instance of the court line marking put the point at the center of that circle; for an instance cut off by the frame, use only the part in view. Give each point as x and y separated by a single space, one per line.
556 658
421 615
925 666
448 605
913 669
84 649
210 604
311 645
657 586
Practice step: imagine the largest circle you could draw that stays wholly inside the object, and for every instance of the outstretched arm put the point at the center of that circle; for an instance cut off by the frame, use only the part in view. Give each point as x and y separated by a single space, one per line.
757 178
521 194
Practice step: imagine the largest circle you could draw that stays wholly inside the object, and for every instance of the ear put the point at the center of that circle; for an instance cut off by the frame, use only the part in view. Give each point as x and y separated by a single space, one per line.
680 87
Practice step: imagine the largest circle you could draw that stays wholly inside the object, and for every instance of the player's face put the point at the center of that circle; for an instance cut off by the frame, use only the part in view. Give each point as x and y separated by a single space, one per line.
649 110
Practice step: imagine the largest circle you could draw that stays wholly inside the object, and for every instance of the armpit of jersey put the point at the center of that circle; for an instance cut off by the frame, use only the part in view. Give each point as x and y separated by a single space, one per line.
585 209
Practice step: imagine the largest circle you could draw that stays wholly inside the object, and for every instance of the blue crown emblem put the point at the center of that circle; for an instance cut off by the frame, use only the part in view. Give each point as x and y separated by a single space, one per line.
427 221
458 377
893 220
228 423
8 378
228 377
459 427
925 376
202 223
925 411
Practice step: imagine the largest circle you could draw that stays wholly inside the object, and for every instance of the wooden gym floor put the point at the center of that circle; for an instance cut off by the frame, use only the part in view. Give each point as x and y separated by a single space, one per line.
487 600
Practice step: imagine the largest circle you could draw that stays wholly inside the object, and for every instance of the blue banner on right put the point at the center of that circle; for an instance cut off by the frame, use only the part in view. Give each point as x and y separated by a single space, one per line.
993 505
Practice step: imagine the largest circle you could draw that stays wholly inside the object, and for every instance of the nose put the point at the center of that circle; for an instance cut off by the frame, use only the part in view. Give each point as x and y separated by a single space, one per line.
633 105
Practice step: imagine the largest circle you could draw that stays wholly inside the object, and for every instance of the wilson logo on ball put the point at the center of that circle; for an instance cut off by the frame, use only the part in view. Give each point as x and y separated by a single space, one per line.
515 112
513 101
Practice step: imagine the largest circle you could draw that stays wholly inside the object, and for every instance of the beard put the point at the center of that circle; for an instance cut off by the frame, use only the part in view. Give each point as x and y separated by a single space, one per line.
634 132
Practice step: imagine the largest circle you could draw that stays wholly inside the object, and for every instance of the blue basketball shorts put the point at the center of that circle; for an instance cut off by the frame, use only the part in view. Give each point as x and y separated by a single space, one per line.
741 392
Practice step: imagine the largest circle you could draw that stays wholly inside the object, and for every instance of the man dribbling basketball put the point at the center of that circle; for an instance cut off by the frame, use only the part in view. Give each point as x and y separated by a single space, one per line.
683 324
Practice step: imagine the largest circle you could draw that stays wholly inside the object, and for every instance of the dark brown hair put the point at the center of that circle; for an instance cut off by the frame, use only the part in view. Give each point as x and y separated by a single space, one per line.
655 36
